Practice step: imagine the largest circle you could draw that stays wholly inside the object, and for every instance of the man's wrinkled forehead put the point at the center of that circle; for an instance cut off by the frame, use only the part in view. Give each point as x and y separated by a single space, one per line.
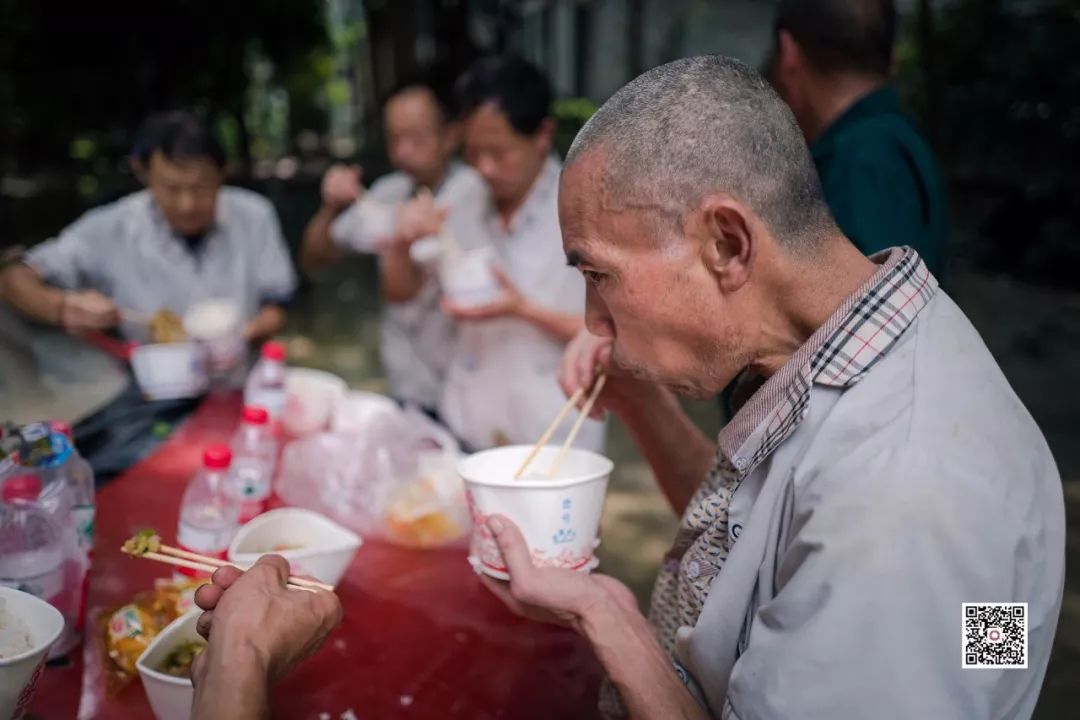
579 206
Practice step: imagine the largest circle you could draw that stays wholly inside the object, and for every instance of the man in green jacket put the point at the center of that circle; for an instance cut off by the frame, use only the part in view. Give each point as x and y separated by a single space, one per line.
831 61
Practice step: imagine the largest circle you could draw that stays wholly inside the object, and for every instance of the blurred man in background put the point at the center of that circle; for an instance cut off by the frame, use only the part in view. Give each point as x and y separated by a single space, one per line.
185 238
500 385
422 136
831 62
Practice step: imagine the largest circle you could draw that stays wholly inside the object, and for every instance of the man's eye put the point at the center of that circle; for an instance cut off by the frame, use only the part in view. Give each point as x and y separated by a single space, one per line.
592 277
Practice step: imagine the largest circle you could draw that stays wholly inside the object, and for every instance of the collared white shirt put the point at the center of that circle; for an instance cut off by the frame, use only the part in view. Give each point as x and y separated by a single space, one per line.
126 251
885 476
501 385
415 337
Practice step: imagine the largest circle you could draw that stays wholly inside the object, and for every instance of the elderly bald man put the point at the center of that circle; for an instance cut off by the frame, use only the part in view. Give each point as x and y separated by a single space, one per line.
879 474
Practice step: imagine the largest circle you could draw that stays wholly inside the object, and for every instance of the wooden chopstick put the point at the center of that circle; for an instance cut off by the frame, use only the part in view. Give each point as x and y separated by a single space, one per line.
581 418
177 552
574 400
209 565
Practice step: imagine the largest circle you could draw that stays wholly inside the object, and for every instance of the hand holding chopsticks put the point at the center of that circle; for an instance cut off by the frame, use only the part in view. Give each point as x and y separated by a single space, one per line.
574 399
151 548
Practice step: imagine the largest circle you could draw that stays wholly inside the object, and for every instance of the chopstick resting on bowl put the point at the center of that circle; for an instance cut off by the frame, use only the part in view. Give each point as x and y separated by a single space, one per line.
574 399
149 546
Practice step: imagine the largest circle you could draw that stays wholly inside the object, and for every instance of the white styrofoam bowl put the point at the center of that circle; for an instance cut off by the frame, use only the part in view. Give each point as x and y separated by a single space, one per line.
170 697
168 371
324 549
310 399
19 673
559 518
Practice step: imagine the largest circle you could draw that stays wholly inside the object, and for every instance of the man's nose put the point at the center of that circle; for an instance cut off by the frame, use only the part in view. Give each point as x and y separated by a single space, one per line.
597 319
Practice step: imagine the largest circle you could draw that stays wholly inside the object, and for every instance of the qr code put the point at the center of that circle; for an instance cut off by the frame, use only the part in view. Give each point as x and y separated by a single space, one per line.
995 635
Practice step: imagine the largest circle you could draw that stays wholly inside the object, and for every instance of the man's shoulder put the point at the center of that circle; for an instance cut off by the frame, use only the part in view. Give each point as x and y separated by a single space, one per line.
935 413
108 220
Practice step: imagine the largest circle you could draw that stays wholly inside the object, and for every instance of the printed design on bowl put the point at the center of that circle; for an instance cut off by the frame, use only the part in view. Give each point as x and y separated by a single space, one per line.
27 694
485 549
566 533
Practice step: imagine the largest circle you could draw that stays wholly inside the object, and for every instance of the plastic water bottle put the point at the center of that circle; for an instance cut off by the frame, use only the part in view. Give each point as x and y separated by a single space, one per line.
33 554
80 478
208 513
265 385
254 451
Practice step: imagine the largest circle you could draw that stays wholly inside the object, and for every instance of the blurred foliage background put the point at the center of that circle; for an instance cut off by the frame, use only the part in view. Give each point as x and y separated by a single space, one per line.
293 85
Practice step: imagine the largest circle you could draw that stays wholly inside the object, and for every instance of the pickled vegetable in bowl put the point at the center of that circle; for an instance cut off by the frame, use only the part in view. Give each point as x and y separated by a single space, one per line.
178 662
167 327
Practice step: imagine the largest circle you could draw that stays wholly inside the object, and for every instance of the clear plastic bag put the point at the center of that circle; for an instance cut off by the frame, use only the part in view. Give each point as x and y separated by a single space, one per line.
387 474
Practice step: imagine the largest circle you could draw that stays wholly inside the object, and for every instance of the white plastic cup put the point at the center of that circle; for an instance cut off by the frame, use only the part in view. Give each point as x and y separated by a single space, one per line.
560 519
363 227
19 673
170 697
217 324
311 396
313 544
467 278
168 371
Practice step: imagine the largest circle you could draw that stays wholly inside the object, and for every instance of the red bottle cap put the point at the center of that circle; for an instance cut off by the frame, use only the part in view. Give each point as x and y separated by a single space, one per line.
62 427
22 487
217 457
273 350
255 415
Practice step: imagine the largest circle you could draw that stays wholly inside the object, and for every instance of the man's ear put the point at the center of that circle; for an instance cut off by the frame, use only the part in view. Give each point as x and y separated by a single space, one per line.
729 243
544 136
788 60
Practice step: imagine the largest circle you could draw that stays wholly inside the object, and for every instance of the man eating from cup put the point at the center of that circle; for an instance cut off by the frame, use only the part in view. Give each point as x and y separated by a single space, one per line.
500 385
879 474
187 237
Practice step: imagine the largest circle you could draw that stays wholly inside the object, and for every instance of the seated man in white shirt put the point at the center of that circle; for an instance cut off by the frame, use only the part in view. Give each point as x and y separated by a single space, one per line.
422 135
185 238
500 385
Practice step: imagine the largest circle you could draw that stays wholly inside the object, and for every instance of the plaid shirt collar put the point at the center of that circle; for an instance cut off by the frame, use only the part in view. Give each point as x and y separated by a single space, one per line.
838 354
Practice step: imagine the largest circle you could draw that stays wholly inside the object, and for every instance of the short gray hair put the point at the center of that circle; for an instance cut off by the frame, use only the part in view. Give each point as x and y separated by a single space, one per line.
706 124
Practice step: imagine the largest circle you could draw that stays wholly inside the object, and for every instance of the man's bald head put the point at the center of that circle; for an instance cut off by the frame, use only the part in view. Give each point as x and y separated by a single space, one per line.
703 125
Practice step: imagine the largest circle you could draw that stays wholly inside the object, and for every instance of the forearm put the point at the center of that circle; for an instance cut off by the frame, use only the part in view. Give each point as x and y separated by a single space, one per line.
233 684
678 452
268 322
638 667
402 279
318 249
21 287
560 326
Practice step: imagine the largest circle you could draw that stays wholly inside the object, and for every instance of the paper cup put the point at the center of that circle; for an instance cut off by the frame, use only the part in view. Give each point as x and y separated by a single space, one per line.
362 228
313 544
559 518
169 371
19 673
310 399
170 697
467 278
218 326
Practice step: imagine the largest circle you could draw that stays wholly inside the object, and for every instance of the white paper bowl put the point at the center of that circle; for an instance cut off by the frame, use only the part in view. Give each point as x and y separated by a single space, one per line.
559 518
310 399
170 697
324 549
467 278
168 371
19 673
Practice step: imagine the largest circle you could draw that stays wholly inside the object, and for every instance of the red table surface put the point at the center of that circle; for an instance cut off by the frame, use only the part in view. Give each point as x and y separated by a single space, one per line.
421 637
